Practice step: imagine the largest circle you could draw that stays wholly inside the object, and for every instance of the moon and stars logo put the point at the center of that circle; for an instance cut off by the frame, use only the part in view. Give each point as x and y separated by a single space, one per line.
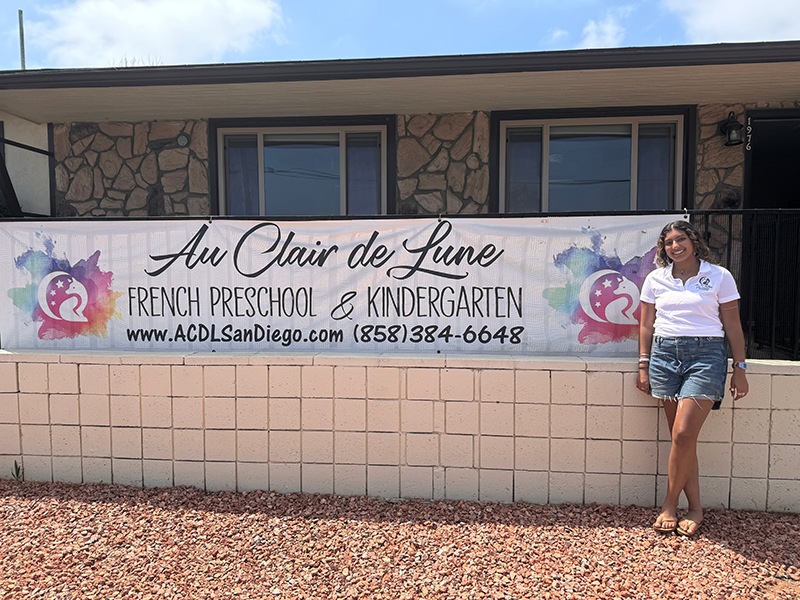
68 300
603 294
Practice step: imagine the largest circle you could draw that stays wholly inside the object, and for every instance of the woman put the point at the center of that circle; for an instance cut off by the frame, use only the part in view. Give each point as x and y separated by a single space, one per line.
689 306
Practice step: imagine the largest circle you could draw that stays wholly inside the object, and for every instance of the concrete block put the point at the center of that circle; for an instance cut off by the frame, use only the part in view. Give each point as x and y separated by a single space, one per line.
532 387
785 427
716 491
124 380
495 486
157 444
456 450
187 413
8 378
497 386
127 471
252 476
219 380
568 421
98 470
350 447
641 457
784 496
9 408
568 387
784 391
531 486
567 455
156 411
751 461
32 378
317 478
383 481
220 445
96 442
66 440
156 381
157 473
639 423
383 415
251 381
461 484
63 380
604 456
531 454
318 447
94 379
317 382
285 477
714 458
189 473
422 449
604 422
416 416
350 414
251 413
125 411
34 409
284 413
759 394
497 453
532 420
783 461
38 468
67 469
64 409
639 490
350 382
602 488
566 488
748 494
604 388
284 446
187 444
457 384
383 449
126 442
284 382
36 439
422 384
461 417
220 476
252 446
219 412
718 426
383 383
187 381
496 418
350 480
750 426
416 482
9 439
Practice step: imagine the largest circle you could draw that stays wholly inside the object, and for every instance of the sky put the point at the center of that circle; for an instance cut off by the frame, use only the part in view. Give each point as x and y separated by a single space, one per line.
115 33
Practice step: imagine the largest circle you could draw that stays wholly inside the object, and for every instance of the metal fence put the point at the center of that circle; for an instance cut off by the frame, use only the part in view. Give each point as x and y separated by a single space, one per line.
761 248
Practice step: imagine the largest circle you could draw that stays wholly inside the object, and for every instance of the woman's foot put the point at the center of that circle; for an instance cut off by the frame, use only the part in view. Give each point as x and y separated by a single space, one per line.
667 522
690 524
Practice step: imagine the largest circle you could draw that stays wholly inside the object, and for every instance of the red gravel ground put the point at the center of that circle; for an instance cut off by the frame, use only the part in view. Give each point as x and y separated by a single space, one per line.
60 541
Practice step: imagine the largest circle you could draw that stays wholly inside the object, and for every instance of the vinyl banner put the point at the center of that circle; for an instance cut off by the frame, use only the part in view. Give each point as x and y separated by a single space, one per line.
548 286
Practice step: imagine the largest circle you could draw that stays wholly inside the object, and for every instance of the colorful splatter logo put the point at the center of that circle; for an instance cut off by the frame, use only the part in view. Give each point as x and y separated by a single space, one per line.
68 300
604 295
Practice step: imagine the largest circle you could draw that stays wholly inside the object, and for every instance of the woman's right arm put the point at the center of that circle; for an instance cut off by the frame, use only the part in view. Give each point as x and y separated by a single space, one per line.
647 319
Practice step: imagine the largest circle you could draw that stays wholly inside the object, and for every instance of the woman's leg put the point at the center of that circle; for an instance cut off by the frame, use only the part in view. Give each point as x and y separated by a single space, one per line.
692 488
690 414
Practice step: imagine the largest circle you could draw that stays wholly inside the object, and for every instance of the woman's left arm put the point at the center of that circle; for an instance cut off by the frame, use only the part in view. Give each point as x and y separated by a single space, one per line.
732 325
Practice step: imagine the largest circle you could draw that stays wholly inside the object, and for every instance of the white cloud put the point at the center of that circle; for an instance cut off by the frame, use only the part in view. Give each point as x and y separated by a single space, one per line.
609 32
709 21
555 35
102 33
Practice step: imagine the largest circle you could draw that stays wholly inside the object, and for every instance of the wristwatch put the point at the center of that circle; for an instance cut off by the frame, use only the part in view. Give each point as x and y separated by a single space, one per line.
741 365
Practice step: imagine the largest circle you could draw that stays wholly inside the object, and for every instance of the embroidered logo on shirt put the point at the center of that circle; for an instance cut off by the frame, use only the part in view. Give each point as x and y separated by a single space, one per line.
704 284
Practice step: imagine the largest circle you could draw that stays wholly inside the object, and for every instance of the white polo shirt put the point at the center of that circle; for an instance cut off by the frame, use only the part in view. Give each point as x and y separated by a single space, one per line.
691 309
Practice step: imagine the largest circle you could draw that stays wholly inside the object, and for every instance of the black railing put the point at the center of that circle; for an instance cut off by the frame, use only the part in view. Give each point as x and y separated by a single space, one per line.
761 248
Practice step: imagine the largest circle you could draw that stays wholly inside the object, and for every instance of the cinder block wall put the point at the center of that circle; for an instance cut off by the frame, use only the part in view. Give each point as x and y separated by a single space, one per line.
480 428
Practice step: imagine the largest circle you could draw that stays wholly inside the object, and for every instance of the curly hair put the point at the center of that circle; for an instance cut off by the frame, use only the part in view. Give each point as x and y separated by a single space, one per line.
701 249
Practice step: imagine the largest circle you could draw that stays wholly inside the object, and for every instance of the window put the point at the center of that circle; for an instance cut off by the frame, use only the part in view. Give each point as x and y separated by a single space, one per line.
302 171
603 164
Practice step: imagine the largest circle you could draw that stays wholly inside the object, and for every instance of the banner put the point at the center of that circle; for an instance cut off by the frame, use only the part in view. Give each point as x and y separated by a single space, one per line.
547 286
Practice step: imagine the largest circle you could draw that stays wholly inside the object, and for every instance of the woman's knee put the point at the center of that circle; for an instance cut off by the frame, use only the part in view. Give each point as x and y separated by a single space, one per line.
683 436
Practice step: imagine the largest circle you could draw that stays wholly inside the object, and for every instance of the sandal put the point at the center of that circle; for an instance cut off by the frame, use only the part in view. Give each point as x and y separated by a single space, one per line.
659 527
684 532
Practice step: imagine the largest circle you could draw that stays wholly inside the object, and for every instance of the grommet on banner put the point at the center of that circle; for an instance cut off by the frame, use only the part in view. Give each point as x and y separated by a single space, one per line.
686 213
440 217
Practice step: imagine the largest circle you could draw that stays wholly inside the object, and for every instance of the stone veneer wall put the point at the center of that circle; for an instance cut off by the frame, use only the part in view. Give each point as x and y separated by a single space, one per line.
442 163
499 428
131 169
720 169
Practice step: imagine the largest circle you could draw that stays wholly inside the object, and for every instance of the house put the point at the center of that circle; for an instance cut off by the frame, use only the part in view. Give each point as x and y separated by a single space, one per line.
622 130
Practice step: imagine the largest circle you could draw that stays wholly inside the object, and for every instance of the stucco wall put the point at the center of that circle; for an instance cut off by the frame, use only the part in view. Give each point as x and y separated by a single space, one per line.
481 428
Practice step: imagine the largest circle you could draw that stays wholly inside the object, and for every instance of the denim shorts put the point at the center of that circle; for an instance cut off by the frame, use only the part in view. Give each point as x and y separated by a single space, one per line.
689 367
